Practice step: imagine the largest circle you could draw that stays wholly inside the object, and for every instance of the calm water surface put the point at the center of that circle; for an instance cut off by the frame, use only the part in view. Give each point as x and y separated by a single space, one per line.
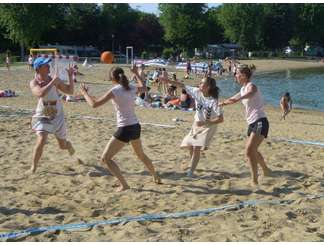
306 87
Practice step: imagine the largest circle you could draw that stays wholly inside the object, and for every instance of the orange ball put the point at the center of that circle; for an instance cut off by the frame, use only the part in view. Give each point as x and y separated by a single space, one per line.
107 57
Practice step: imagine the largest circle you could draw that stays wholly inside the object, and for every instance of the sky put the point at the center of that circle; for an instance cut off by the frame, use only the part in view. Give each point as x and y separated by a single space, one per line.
153 7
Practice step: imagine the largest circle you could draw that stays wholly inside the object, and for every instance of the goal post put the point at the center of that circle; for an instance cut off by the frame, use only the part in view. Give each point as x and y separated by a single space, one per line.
129 52
36 51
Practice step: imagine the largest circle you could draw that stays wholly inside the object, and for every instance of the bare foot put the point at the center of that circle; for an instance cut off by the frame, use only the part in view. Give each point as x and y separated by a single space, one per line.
122 188
70 148
256 188
157 180
32 170
254 183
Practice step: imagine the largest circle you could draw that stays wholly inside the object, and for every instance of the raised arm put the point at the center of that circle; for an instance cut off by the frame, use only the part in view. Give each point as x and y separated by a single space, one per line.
139 79
93 102
141 87
175 83
67 88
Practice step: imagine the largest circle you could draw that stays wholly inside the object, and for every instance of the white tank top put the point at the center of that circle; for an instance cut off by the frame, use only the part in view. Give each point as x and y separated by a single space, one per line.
253 105
52 95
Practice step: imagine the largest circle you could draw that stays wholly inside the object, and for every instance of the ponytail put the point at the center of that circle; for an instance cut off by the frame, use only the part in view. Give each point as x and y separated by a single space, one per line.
117 74
123 81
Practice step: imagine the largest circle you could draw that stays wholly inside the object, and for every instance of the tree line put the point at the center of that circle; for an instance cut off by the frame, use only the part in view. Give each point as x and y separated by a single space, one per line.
180 27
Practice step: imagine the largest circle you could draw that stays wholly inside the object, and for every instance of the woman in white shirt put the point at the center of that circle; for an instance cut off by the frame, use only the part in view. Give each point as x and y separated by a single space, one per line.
129 130
207 116
255 116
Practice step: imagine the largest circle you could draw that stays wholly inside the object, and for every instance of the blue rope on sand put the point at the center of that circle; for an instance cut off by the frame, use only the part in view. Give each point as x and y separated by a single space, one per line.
304 142
149 217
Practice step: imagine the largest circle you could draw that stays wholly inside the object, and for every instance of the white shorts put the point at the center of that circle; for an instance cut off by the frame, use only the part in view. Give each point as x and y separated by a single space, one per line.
55 126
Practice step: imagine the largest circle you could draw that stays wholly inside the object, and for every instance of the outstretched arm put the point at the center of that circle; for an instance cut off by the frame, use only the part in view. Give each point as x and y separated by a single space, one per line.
95 102
141 87
237 97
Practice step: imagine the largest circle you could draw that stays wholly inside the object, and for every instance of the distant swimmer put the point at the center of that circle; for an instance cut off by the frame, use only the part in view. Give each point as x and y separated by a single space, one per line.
286 105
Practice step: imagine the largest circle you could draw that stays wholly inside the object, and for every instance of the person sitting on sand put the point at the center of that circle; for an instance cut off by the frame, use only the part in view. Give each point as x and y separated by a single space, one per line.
208 115
185 100
49 116
122 95
285 105
256 118
169 96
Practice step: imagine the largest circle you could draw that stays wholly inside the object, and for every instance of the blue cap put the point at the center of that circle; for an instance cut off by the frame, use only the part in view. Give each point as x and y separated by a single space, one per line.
41 61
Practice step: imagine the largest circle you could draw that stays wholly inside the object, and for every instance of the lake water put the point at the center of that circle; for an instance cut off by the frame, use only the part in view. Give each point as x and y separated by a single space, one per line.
306 87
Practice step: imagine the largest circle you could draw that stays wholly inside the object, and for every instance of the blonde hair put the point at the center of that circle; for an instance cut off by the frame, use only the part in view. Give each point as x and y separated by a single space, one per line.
246 69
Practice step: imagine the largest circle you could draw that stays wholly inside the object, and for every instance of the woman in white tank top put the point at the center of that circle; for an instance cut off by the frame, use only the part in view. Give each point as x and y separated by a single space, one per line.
129 130
49 116
256 118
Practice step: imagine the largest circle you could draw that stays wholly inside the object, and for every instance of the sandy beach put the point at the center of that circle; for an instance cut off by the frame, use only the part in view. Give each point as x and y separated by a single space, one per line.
67 191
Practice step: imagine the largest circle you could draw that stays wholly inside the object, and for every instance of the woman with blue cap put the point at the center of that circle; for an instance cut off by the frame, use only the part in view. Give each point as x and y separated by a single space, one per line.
49 116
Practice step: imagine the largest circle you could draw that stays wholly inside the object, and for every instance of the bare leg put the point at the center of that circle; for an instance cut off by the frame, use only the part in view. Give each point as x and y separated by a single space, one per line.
191 151
138 149
252 145
66 145
194 159
266 171
112 148
38 150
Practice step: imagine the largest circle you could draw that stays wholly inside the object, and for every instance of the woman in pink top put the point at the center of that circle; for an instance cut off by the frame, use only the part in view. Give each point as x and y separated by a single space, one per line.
129 130
256 118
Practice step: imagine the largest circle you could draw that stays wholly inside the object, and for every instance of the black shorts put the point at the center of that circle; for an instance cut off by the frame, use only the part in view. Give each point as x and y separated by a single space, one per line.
259 127
128 133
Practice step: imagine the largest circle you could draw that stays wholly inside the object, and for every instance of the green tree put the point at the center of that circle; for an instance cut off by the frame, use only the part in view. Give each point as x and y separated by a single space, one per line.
184 24
122 19
279 25
243 24
215 31
147 34
25 23
81 22
309 26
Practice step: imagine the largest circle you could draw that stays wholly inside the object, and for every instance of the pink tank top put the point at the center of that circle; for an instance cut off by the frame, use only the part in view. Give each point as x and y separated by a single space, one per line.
253 105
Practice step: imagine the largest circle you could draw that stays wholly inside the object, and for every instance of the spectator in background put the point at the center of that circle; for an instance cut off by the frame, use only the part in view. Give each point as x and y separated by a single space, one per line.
285 105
